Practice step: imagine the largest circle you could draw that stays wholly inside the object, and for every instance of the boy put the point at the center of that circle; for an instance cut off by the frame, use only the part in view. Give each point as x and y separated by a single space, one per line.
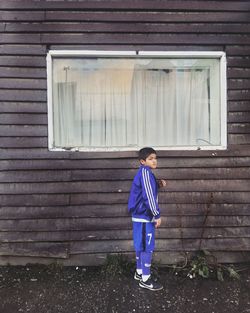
143 205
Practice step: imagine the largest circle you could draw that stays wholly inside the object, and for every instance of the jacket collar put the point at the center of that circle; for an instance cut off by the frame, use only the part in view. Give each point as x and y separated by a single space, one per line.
146 166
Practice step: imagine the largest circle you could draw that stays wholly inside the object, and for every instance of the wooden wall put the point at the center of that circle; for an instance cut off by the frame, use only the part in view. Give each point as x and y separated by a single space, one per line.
71 207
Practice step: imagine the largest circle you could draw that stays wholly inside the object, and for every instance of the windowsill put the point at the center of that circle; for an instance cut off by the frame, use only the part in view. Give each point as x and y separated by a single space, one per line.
113 149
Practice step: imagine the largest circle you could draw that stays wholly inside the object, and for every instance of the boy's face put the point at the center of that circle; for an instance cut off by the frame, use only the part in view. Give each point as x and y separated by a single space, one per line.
151 161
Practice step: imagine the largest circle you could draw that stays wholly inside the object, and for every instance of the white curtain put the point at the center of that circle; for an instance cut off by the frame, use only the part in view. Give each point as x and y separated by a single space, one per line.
64 117
132 107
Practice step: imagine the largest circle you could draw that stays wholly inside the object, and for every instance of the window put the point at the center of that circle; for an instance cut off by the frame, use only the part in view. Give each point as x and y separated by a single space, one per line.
108 101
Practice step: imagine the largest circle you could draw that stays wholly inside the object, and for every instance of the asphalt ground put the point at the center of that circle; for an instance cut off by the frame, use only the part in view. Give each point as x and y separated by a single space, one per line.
52 289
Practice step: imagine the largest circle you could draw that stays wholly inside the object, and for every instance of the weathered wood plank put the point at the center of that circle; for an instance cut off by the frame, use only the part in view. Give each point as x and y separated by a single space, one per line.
227 244
22 49
24 95
17 83
24 72
180 173
97 259
38 249
34 154
122 186
129 5
169 257
101 210
119 210
239 117
199 197
119 163
35 176
238 61
92 38
19 260
237 50
240 128
103 246
32 150
72 224
64 187
162 233
235 72
112 38
22 61
25 130
21 16
59 236
119 223
239 94
191 185
122 174
170 197
35 200
24 142
217 232
232 256
23 118
81 259
23 107
148 16
145 16
234 106
239 139
239 83
107 27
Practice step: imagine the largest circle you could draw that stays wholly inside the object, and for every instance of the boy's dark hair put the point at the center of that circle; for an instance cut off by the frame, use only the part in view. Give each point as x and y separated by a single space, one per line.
145 152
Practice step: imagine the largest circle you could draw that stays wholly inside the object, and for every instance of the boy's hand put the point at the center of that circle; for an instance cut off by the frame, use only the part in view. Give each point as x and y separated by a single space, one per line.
162 183
158 223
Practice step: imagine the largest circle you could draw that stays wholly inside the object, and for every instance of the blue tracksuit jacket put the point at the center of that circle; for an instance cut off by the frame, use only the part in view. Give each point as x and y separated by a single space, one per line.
143 199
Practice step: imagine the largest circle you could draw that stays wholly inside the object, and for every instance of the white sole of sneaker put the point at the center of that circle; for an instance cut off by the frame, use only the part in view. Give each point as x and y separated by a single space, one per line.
149 288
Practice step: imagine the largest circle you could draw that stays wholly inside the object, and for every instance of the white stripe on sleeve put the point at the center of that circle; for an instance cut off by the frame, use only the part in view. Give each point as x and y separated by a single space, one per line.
149 192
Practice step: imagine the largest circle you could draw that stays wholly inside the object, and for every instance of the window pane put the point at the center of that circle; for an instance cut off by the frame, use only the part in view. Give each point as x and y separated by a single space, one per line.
133 102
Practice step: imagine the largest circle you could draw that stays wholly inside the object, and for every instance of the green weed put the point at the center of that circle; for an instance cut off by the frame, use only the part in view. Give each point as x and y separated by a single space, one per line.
203 264
116 265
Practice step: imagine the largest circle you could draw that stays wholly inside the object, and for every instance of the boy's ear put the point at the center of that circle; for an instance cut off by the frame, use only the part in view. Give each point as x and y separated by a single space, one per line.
142 161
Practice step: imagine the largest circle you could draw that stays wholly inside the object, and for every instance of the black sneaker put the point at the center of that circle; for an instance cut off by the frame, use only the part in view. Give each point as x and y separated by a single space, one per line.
137 276
150 284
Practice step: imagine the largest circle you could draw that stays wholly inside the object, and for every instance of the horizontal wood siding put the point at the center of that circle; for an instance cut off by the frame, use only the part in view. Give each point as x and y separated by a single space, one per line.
70 207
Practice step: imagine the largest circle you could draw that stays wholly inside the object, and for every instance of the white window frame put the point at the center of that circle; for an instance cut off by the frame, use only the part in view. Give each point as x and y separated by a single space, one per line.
174 54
